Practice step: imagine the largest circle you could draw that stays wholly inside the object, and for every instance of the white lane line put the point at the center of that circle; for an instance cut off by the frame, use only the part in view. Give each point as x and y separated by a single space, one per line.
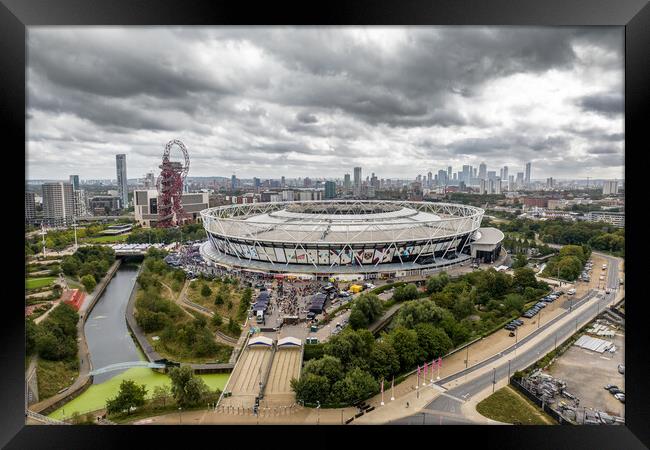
452 397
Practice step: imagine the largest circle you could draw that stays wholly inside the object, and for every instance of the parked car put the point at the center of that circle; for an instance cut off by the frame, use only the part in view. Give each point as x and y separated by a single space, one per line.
620 397
610 386
615 391
621 369
510 327
518 322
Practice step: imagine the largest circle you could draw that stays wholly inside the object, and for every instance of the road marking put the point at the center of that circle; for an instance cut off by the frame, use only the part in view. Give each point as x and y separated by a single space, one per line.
452 397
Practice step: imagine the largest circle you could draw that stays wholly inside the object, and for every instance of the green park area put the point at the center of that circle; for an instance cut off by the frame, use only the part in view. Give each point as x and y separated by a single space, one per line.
95 397
107 239
174 332
508 406
37 283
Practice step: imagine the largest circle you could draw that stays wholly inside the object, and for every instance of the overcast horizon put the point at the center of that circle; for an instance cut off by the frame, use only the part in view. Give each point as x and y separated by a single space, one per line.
315 102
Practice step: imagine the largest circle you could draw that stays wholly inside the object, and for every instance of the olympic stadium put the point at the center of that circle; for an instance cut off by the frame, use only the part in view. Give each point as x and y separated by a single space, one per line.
369 239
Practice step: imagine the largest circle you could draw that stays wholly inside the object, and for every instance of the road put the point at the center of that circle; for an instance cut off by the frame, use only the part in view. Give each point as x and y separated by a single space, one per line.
446 408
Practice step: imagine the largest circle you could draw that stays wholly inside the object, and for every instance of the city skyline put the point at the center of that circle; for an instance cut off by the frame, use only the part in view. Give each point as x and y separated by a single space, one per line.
552 96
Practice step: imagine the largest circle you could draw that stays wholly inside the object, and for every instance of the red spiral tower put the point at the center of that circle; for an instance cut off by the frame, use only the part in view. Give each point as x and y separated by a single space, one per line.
170 186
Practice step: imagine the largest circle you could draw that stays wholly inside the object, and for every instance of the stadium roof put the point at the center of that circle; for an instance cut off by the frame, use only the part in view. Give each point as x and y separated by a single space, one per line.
488 236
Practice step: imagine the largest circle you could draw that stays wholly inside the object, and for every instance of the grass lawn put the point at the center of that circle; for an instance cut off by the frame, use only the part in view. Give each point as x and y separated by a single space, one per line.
94 398
233 294
54 376
507 405
37 283
106 239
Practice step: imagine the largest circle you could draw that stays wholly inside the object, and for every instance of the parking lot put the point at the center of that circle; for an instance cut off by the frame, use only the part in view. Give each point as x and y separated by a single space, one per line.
586 372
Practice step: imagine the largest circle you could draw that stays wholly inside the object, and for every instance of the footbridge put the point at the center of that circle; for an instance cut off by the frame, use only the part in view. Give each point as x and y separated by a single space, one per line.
128 365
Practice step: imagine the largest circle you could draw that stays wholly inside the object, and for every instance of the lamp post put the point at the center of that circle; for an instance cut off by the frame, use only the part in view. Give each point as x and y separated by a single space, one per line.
508 371
318 412
467 357
180 420
494 378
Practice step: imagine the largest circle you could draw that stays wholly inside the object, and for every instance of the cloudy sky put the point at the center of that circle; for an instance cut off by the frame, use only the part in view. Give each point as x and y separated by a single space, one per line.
274 101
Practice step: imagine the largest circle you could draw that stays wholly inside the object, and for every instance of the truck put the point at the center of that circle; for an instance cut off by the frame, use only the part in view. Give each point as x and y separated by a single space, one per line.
356 288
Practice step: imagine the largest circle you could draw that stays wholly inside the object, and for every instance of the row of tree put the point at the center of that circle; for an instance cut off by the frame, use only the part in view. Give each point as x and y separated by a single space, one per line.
186 390
568 264
90 264
189 232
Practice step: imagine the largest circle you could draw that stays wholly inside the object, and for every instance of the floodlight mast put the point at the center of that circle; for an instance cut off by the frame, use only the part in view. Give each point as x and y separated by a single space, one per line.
170 186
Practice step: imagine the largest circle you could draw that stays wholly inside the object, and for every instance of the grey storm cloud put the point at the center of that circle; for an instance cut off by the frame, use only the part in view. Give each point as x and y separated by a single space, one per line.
607 104
247 99
305 117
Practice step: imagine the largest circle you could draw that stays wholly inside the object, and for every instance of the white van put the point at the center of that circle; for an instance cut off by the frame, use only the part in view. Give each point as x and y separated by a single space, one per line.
571 291
260 316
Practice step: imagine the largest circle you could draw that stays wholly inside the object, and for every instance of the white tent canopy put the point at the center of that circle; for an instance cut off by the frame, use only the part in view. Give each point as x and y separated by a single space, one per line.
289 342
261 340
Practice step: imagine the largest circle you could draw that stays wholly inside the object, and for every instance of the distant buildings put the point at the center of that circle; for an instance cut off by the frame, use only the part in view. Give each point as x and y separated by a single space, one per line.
122 187
105 205
74 180
146 206
528 170
610 188
58 203
30 207
614 218
330 190
357 178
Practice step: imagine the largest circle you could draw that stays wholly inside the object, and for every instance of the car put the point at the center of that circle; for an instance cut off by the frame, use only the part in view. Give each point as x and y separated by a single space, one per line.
610 386
344 294
518 322
615 391
621 369
311 315
620 397
527 315
510 327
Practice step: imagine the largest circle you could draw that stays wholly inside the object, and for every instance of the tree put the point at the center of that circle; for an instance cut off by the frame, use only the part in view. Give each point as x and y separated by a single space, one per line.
31 333
405 343
520 261
311 388
437 283
161 396
351 347
130 395
217 320
206 291
422 310
432 341
356 386
514 302
357 319
328 366
407 292
187 388
524 277
89 282
70 266
383 360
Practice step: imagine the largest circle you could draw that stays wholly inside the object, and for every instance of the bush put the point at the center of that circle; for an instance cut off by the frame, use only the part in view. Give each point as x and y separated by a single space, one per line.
130 395
88 282
403 293
206 291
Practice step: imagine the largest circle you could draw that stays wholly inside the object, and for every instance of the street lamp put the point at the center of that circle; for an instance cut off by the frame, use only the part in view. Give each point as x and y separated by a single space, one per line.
180 421
318 412
494 378
508 371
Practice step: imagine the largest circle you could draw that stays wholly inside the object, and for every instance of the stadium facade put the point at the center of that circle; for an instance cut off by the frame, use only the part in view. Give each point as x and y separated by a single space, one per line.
369 239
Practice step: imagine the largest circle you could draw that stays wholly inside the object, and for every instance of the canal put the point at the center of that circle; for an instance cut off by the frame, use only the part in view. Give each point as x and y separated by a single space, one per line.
109 342
108 337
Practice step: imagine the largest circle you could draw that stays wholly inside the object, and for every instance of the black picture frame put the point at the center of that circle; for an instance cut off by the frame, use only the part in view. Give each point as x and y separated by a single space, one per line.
634 15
